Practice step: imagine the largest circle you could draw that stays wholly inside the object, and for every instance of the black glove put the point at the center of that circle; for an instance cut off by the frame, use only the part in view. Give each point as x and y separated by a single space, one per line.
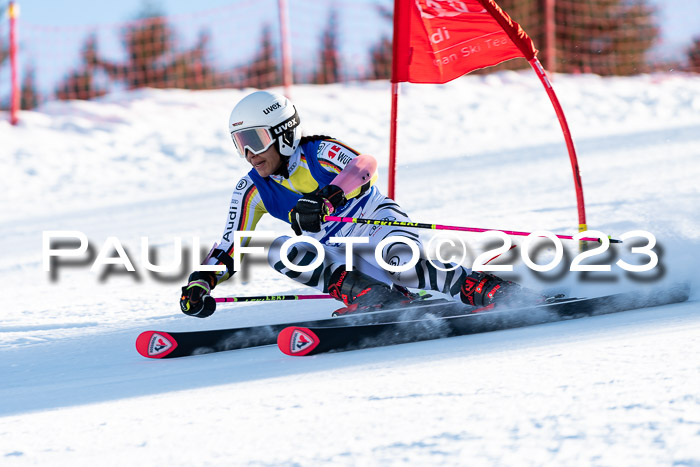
195 299
308 214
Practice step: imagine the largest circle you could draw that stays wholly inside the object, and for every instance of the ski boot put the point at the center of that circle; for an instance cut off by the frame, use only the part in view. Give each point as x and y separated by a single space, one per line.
485 291
361 293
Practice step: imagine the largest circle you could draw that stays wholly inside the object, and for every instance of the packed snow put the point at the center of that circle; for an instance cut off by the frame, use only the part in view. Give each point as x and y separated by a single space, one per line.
482 151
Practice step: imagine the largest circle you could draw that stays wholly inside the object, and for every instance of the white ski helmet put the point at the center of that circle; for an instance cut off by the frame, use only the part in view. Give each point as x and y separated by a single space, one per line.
262 118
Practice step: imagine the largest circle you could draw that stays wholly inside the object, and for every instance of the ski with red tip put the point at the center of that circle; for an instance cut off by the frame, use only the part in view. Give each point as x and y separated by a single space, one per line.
161 344
311 340
297 341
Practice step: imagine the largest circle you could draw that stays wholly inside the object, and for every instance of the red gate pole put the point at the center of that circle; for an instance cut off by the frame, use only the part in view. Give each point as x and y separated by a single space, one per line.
392 139
287 77
13 11
537 66
400 41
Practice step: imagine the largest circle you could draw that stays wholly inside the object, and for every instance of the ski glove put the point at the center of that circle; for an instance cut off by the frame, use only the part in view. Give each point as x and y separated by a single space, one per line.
195 299
308 214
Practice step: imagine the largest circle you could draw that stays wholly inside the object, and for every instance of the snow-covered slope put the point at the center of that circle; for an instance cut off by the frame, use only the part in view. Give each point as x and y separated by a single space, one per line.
482 151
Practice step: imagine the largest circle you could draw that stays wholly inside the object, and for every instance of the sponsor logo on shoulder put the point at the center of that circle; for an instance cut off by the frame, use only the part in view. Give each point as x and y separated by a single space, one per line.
333 151
336 151
344 158
242 184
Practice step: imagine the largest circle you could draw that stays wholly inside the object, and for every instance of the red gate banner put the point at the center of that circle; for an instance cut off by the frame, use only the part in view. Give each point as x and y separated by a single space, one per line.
436 41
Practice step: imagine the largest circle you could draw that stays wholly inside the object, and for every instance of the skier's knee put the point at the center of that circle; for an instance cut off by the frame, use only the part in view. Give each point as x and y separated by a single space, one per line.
401 252
298 254
273 255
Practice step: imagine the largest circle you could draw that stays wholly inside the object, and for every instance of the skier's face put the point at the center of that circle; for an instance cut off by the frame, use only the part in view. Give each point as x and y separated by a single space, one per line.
266 163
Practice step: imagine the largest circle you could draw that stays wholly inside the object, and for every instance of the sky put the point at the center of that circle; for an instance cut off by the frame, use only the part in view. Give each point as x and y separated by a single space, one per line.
679 17
86 12
222 18
678 21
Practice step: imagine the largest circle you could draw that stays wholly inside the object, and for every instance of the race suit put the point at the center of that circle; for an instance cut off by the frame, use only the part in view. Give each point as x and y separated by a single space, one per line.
315 163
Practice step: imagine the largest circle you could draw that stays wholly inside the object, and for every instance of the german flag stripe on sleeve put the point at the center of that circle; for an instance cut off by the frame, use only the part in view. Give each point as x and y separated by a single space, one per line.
247 218
329 166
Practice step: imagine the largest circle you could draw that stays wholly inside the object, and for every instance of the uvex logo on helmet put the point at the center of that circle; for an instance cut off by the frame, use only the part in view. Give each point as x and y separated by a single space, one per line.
274 106
284 126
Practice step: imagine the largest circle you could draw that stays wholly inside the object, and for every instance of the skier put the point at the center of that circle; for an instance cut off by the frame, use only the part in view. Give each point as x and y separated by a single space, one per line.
299 179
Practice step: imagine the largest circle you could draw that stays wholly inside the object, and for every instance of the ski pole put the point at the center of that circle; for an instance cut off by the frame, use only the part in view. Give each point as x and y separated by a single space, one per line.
269 298
418 225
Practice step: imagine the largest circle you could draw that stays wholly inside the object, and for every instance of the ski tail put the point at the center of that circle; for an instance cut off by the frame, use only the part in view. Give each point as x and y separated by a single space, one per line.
297 341
155 344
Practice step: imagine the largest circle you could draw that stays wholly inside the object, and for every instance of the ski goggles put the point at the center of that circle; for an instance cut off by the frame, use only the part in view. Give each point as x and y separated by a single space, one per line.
256 140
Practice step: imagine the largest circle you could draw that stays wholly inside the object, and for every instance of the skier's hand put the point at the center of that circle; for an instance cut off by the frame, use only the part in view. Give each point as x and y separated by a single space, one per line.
195 299
308 214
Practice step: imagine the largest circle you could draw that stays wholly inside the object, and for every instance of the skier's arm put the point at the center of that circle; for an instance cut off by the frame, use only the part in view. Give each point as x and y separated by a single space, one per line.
360 171
245 211
356 174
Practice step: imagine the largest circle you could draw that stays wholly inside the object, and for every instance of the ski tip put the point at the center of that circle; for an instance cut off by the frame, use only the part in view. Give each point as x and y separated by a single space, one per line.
297 341
155 344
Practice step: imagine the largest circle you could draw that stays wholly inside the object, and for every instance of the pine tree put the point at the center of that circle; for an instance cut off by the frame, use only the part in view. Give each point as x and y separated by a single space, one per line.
608 37
381 53
592 36
4 54
79 83
694 56
380 59
328 70
152 61
29 96
264 69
